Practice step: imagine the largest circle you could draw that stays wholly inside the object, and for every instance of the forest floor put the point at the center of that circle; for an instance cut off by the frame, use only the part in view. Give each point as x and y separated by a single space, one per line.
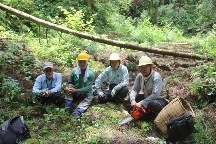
176 73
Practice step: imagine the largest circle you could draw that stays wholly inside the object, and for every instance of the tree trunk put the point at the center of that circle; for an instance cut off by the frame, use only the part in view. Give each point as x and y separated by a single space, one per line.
120 44
2 75
150 6
161 2
156 11
89 3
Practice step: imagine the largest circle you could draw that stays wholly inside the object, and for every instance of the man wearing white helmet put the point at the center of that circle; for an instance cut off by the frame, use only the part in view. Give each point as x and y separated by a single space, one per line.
118 79
151 83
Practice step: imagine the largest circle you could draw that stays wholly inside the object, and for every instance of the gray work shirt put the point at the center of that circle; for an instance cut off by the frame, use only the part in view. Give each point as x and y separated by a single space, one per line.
152 86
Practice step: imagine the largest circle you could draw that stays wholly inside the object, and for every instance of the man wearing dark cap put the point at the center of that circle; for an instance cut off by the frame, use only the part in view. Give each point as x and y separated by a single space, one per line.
48 85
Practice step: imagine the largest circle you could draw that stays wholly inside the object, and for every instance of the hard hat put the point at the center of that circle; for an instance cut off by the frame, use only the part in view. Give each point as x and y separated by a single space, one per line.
145 60
83 56
114 56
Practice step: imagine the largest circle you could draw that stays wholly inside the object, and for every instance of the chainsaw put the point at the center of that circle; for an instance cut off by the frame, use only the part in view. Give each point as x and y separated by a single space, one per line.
136 113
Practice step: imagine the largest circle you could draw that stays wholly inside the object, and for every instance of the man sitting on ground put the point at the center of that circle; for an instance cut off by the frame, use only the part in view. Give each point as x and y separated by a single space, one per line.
48 85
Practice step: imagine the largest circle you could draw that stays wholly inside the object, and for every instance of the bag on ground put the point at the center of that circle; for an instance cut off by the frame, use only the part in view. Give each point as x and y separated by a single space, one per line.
13 131
180 127
176 108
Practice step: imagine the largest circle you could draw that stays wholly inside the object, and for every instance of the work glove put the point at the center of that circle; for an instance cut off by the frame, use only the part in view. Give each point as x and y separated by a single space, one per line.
113 92
101 94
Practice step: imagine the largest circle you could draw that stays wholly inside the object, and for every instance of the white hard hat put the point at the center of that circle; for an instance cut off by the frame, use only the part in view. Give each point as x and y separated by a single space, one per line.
114 56
145 60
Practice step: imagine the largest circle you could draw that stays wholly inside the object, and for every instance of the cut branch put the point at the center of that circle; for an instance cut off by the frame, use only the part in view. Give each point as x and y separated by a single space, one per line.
97 38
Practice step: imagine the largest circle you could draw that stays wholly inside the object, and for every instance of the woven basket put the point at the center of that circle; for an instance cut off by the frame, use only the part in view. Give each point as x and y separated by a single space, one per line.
175 108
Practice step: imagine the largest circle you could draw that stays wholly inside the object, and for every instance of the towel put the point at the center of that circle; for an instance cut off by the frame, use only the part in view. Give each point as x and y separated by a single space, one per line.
78 72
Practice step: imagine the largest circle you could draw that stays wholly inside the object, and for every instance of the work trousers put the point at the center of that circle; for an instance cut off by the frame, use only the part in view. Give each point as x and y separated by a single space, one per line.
155 105
120 94
53 98
83 101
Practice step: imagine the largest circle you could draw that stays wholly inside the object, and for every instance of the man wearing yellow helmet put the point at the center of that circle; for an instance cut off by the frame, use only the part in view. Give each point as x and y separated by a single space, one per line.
151 83
80 86
117 77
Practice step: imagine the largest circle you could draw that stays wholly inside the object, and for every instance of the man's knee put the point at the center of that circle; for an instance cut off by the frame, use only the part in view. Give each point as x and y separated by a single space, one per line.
123 92
156 105
56 94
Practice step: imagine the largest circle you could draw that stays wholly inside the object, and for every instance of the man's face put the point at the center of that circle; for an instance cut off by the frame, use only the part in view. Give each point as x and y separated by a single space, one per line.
115 64
145 70
83 64
48 72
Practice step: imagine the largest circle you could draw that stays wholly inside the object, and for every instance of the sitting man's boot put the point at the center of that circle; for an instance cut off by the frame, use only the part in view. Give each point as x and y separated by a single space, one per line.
126 102
77 115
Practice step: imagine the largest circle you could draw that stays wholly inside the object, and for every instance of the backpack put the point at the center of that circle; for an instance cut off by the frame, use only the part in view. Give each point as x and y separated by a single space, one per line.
180 127
13 131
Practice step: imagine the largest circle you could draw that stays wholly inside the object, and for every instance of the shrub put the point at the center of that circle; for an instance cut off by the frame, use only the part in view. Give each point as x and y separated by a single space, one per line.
206 44
203 81
11 91
146 32
75 20
204 132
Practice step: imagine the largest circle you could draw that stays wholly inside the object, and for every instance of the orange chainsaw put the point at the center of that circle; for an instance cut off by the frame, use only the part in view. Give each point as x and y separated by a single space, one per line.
136 113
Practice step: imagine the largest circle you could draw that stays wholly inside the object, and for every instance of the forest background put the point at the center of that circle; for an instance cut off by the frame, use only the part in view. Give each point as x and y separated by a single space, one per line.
187 26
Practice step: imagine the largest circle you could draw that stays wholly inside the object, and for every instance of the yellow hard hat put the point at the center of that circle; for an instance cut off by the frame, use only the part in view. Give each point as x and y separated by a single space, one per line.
114 56
145 60
83 56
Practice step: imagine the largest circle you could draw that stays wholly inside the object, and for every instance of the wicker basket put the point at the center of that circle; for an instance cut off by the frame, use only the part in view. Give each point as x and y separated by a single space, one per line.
175 108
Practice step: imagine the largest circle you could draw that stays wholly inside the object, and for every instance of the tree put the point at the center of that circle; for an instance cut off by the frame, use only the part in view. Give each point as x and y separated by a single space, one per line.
97 38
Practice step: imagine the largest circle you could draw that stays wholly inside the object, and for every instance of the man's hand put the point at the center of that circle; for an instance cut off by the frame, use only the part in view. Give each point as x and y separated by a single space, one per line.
47 93
43 92
69 89
133 103
139 104
72 90
113 92
101 94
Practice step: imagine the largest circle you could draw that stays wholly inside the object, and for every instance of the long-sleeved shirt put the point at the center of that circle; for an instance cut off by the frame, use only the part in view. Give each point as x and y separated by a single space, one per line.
42 83
119 77
152 86
82 86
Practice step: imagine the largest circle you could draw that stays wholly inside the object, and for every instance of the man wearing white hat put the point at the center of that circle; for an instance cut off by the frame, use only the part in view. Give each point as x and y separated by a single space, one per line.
117 77
48 85
152 85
